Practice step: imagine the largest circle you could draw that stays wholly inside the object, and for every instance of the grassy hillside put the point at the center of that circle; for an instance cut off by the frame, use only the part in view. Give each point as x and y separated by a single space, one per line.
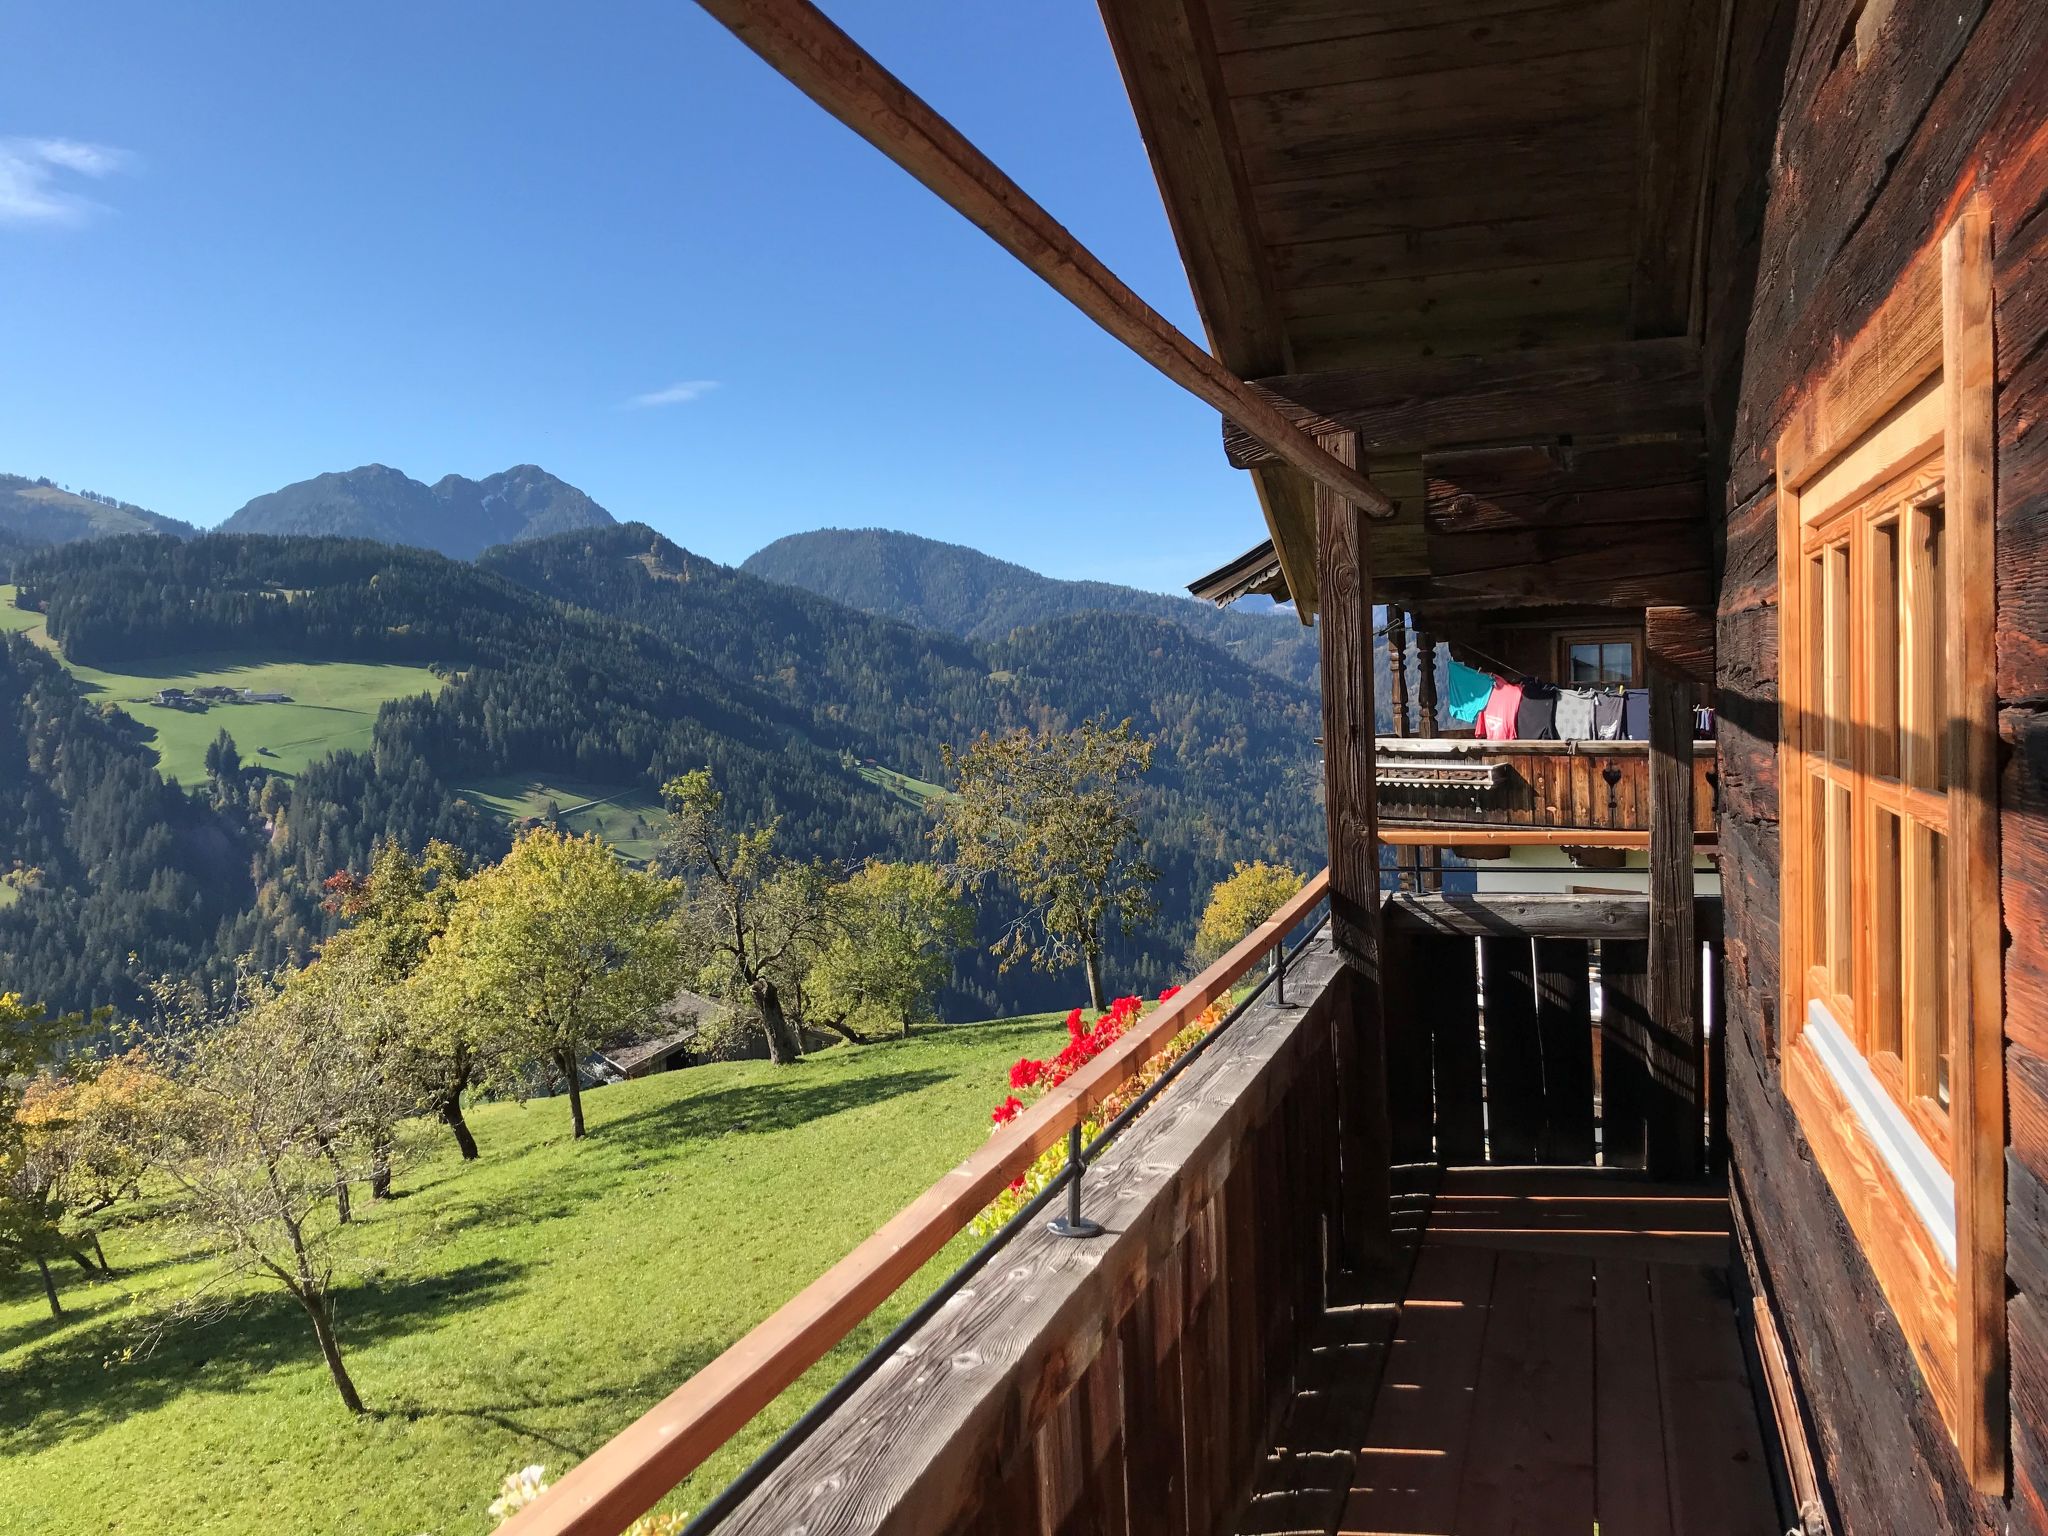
626 816
333 703
40 512
540 1299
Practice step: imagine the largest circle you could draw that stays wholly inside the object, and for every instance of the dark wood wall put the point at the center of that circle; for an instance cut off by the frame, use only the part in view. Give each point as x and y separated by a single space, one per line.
1850 131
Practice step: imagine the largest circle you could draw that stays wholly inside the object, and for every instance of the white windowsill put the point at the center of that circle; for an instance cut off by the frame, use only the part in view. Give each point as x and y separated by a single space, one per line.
1927 1185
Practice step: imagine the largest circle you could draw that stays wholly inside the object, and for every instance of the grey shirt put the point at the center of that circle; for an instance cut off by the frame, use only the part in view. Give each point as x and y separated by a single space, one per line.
1575 714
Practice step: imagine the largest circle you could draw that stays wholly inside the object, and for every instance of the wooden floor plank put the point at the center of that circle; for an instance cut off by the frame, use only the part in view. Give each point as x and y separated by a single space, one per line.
1633 1496
1406 1477
1566 1353
1529 1469
1720 1481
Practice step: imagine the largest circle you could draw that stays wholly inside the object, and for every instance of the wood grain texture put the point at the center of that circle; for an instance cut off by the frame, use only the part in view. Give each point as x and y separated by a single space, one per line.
1674 962
803 45
1616 389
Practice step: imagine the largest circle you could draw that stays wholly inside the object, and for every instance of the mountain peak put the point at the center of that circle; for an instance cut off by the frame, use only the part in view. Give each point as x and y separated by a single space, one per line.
960 590
457 516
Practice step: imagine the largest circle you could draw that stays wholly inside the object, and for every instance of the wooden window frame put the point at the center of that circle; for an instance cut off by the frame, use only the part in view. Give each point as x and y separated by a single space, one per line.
1865 421
1566 639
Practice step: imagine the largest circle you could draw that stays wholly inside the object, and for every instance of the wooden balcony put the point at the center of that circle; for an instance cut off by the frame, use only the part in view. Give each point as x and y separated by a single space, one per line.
1331 1295
1480 792
1397 1250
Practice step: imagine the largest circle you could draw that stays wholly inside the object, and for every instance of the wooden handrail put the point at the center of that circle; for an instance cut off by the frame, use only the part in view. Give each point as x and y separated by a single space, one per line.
628 1474
802 44
1454 834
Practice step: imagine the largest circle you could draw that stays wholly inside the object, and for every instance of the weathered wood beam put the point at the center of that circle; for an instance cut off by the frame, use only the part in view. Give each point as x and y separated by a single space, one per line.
1351 798
1681 88
1609 389
1536 916
801 43
1167 53
1675 1058
1621 523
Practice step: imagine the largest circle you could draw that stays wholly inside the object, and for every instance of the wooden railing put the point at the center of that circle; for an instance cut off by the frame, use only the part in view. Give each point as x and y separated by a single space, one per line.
636 1468
1131 1383
1534 1074
1587 793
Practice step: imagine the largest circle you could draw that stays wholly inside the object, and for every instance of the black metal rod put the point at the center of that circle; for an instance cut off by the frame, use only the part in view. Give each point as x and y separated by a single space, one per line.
791 1440
1077 1171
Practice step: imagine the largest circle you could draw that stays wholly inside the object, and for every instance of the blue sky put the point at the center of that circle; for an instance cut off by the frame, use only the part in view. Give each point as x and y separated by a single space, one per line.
243 244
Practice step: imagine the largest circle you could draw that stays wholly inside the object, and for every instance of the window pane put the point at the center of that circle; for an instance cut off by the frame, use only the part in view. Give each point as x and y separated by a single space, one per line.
1583 663
1838 674
1926 650
1884 650
1927 941
1817 871
1887 948
1809 727
1841 928
1617 662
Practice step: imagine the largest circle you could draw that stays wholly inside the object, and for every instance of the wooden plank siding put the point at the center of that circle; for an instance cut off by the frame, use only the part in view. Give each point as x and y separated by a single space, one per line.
1848 146
1128 1383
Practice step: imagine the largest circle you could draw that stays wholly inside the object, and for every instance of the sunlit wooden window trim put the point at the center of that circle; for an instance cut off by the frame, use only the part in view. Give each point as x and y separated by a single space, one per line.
1904 416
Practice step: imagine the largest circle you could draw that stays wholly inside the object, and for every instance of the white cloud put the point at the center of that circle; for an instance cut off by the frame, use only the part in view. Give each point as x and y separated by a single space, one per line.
676 394
37 176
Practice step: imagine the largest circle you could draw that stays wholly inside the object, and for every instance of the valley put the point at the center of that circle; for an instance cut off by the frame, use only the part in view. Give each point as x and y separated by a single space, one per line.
332 705
562 679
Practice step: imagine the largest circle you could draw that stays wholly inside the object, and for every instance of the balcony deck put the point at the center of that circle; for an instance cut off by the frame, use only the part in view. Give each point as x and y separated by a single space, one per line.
1565 1358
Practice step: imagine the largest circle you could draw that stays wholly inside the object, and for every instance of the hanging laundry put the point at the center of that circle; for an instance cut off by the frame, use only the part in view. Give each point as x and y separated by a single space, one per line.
1608 714
1636 715
1536 719
1703 721
1467 690
1575 714
1497 720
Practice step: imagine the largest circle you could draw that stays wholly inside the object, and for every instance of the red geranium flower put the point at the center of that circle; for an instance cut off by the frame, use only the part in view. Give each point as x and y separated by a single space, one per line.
1169 994
1008 1110
1026 1073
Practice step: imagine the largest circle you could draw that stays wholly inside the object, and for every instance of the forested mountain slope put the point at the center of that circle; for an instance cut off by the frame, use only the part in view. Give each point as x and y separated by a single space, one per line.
455 516
40 512
965 592
101 859
614 656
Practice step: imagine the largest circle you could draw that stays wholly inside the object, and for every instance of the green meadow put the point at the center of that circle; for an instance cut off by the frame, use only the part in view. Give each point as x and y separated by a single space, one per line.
536 1302
333 704
627 817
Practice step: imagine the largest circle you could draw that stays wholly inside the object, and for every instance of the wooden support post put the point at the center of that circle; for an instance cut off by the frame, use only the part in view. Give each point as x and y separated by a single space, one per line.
1675 1108
1425 683
1408 863
1397 669
1351 807
1426 726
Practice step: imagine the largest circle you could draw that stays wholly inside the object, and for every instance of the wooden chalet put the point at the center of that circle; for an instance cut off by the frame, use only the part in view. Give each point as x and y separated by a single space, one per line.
1717 328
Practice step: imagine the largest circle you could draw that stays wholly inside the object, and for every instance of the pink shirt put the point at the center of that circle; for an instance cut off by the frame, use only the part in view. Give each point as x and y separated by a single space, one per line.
1497 720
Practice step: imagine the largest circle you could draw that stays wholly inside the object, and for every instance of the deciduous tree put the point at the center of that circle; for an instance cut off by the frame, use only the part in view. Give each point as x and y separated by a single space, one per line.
437 1043
560 946
1049 814
752 920
900 926
30 1220
258 1136
1252 893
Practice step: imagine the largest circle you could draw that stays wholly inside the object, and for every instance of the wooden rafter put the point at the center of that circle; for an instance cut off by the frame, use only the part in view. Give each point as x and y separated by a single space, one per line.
802 44
1168 57
1607 389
